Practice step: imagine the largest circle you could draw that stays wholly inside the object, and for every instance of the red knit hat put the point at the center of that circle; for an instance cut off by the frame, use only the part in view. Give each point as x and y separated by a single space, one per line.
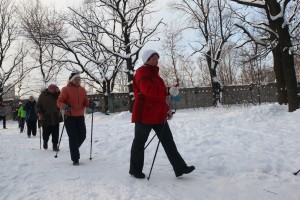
52 88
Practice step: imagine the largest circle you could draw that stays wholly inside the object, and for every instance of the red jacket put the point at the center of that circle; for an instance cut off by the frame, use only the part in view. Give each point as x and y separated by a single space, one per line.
150 91
76 97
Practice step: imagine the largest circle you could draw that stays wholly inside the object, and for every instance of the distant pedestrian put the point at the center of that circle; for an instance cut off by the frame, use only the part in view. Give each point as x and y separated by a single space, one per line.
73 101
21 116
3 112
31 117
49 115
150 111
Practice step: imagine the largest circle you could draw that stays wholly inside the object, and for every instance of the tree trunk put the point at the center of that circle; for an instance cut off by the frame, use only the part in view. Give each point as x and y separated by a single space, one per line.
284 58
289 69
1 96
130 80
105 94
216 89
279 74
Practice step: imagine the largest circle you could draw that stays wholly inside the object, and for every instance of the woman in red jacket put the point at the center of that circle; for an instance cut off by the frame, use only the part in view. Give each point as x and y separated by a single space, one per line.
73 101
150 111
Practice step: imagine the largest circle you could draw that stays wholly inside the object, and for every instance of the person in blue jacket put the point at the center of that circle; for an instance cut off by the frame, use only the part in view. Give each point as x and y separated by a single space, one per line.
31 116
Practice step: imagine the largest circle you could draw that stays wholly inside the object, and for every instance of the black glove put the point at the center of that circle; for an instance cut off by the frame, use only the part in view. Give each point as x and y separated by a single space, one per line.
170 114
92 104
67 107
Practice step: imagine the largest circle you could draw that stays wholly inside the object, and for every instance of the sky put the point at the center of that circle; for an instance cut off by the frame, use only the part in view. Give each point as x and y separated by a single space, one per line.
62 3
160 5
240 153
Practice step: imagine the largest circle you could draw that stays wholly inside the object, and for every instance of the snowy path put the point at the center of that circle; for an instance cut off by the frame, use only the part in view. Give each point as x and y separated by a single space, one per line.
239 153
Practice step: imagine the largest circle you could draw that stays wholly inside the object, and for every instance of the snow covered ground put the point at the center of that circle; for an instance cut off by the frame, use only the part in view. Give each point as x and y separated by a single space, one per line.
241 153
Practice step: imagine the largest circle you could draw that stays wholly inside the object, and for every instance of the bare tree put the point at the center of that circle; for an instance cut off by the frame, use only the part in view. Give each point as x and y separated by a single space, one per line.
83 43
109 33
204 76
213 21
280 28
126 24
173 51
37 20
229 65
11 59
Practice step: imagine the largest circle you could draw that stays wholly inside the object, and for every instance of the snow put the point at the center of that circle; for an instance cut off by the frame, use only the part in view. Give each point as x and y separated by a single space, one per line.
239 153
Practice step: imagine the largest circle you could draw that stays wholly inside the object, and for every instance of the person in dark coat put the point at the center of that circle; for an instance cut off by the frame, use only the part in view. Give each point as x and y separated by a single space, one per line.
150 111
31 117
73 100
49 115
3 111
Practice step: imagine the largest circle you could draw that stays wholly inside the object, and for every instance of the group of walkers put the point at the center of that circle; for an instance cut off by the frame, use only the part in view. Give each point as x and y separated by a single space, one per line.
150 111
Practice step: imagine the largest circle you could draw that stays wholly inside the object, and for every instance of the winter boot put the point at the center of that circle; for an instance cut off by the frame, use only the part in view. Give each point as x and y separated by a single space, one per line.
186 170
76 162
140 175
55 147
45 145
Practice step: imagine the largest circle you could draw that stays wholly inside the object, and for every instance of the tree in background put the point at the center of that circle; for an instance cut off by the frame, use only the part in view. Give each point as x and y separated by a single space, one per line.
12 70
127 24
115 30
229 65
36 20
281 28
213 22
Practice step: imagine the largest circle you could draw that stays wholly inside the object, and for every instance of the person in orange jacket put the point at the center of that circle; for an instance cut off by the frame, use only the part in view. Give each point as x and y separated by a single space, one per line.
72 101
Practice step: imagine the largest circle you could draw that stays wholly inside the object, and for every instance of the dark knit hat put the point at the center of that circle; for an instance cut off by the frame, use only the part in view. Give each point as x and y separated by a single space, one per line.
73 75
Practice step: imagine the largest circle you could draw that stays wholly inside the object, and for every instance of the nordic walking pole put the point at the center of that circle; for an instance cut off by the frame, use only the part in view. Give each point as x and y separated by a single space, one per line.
92 133
67 108
59 140
150 141
155 133
153 160
161 132
40 136
296 172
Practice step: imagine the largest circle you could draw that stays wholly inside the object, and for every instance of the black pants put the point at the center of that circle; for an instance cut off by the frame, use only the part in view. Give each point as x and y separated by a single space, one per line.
4 120
31 127
141 135
76 130
21 124
51 130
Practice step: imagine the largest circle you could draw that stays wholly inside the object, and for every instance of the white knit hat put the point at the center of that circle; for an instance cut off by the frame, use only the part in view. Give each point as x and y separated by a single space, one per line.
147 54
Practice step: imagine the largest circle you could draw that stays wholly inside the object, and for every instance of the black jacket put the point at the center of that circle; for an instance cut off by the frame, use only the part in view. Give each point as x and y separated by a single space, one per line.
30 112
